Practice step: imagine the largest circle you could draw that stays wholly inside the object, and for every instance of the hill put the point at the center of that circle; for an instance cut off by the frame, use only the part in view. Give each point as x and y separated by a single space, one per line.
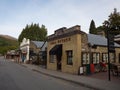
7 43
8 37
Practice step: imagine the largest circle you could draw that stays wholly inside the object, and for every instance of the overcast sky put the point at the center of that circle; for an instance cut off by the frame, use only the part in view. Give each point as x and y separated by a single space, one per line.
54 14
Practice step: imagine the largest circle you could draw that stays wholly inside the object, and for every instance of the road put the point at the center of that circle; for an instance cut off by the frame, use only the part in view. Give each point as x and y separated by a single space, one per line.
14 76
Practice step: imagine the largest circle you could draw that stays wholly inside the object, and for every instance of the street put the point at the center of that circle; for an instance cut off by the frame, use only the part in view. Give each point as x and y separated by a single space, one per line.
14 76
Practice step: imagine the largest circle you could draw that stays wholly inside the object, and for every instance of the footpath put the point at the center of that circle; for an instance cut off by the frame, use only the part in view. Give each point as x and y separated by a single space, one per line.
92 83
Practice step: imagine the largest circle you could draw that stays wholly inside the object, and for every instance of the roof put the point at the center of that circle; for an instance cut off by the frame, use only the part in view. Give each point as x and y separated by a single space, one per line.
44 46
117 36
98 40
38 43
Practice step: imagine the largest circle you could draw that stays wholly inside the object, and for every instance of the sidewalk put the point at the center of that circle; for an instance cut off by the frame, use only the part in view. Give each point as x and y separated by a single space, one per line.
93 83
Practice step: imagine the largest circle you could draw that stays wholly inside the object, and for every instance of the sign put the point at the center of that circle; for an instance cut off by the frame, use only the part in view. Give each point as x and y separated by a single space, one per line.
111 43
59 41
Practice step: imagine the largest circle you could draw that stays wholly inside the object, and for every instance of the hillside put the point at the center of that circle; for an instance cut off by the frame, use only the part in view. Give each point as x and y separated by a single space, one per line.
8 37
7 43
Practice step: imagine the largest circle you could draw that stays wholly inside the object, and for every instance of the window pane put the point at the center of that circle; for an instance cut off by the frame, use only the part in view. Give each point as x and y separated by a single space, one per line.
84 58
88 58
112 57
105 57
52 58
69 58
97 57
94 58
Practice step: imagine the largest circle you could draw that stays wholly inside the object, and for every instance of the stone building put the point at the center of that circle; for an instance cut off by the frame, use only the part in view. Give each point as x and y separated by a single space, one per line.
69 49
30 51
38 52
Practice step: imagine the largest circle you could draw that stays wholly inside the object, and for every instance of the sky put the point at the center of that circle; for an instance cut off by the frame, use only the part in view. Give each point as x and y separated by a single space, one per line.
54 14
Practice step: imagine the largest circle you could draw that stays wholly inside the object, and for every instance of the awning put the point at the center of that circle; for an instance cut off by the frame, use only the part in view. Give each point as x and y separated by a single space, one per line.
57 49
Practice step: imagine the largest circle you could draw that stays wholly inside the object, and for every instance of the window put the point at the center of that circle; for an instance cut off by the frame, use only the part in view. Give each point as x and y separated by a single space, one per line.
69 57
96 58
85 58
112 57
105 57
52 58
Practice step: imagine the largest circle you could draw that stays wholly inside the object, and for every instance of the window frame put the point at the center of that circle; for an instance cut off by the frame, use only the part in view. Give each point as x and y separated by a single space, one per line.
85 58
95 57
52 58
112 59
105 57
69 55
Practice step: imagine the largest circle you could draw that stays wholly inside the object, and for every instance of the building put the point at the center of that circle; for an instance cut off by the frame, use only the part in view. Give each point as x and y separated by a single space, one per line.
38 52
117 39
24 47
12 54
69 49
30 51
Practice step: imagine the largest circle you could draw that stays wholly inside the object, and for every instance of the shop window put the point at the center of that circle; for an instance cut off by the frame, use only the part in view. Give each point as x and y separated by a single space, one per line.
52 58
85 58
112 57
105 57
69 57
96 58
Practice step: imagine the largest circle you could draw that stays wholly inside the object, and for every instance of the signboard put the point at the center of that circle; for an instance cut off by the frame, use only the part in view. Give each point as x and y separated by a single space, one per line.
111 43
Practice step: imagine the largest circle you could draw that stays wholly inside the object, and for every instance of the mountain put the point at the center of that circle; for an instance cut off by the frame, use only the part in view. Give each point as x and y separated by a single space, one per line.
7 43
8 37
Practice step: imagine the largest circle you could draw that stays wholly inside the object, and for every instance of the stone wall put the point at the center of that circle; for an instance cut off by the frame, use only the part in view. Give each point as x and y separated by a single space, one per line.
70 40
84 42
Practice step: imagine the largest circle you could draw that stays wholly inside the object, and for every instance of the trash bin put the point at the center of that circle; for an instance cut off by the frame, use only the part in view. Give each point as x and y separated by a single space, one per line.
92 68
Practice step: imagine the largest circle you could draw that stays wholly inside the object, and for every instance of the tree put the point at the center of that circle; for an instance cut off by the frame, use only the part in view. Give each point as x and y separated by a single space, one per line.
33 32
92 28
113 23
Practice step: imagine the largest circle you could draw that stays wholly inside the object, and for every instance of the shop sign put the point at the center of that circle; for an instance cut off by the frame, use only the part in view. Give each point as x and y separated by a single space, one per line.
63 40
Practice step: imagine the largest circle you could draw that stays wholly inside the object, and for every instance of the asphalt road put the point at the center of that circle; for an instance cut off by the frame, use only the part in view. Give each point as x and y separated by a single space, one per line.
16 77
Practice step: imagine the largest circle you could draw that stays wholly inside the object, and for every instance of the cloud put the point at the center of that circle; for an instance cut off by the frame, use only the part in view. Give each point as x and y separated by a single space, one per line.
11 30
53 14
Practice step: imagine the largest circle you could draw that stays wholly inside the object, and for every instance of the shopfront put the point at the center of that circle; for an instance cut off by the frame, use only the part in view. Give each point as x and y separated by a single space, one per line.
64 50
24 47
97 53
69 49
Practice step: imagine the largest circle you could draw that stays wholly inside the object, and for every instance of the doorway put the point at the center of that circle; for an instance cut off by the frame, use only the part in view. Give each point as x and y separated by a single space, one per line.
57 50
58 62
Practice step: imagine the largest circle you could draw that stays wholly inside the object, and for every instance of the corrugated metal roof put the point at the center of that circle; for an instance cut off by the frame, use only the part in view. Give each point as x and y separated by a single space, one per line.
98 40
38 43
44 47
117 36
